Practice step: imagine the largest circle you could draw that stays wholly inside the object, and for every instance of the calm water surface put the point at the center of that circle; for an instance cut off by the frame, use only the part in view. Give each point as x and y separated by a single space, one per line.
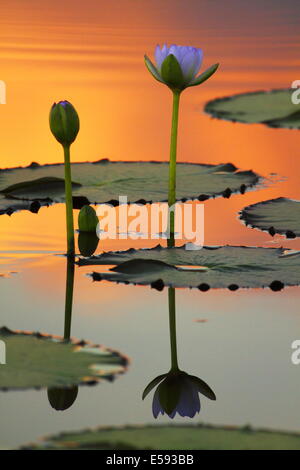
94 58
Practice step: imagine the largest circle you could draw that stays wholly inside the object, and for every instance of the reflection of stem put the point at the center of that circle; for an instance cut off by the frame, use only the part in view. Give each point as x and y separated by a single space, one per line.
172 165
69 202
69 297
62 398
172 323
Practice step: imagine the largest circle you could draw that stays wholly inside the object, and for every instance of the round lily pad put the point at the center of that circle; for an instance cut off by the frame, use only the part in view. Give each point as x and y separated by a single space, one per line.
104 181
281 215
35 360
183 437
273 108
229 267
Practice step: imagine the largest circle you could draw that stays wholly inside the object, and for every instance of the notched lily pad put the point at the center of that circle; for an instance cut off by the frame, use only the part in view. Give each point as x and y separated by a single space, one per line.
104 181
273 108
35 360
183 437
229 267
281 215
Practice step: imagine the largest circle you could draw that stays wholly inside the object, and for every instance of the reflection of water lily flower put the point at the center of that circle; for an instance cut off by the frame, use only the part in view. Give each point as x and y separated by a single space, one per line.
177 66
178 392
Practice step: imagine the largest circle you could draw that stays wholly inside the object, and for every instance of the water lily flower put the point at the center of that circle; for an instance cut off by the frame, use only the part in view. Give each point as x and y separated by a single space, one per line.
177 392
178 66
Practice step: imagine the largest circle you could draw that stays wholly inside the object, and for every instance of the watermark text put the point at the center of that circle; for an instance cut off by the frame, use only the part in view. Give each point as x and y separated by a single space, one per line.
151 221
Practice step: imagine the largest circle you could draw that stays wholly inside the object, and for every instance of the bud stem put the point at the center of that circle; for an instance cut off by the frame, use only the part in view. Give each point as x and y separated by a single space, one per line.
172 166
172 324
69 203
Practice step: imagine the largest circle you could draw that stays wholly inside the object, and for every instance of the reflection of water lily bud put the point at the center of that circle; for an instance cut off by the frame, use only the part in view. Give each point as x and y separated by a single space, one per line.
62 398
87 243
177 66
178 392
87 219
64 122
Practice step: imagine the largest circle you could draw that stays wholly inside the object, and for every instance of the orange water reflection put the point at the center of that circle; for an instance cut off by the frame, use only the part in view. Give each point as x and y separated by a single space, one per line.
93 56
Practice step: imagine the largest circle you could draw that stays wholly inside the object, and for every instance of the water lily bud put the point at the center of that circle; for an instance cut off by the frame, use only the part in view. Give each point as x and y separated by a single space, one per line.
177 66
62 398
87 219
64 122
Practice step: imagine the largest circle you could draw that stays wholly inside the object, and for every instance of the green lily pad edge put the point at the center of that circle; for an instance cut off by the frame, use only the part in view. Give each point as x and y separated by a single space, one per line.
170 437
216 267
280 215
37 360
103 181
273 108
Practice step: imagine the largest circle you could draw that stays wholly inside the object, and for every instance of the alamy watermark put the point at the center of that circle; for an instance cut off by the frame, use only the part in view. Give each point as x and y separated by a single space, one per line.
2 92
2 352
295 97
151 221
295 357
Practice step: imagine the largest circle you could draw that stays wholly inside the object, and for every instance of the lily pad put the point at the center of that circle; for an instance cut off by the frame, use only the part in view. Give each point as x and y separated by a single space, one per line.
273 108
279 215
35 360
48 184
182 437
210 267
104 181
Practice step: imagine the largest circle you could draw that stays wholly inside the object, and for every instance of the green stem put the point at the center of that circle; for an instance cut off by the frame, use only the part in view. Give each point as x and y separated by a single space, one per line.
69 203
172 325
172 165
69 297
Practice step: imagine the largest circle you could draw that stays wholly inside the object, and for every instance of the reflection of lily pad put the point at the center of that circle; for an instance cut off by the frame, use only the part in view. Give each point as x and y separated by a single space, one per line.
279 215
35 360
9 205
183 437
216 267
105 181
274 108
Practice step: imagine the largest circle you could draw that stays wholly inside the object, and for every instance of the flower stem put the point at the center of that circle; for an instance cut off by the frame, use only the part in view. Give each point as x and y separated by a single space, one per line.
172 166
69 203
172 325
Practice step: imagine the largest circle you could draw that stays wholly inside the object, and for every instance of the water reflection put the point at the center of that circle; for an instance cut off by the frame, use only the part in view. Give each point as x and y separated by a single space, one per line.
62 398
87 243
177 391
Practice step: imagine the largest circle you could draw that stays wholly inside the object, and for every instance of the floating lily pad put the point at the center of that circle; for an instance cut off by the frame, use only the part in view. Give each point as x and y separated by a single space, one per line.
182 437
273 108
210 267
49 184
104 181
35 360
279 215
